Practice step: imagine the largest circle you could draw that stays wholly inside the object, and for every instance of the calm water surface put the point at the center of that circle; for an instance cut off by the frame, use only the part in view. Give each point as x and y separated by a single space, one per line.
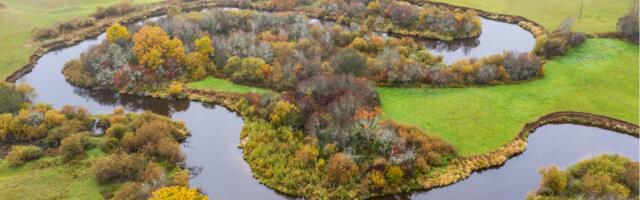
220 171
496 37
562 145
211 151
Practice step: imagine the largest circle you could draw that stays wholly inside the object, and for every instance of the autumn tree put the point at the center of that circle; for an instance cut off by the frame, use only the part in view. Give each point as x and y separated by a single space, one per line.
117 32
341 168
349 62
153 48
199 60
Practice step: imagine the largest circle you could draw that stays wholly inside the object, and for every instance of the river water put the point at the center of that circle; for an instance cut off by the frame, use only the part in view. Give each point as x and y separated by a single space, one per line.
221 172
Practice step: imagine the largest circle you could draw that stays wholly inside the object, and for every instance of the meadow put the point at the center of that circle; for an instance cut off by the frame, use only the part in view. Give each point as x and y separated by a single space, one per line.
597 16
599 77
20 17
222 85
51 178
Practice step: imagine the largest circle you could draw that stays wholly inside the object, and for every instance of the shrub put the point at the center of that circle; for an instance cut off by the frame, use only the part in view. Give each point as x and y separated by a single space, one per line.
177 193
349 62
118 167
117 131
44 33
154 139
403 14
20 154
377 179
117 32
559 41
181 178
153 173
601 177
10 99
285 113
394 174
75 73
175 88
341 169
74 146
628 24
131 191
522 66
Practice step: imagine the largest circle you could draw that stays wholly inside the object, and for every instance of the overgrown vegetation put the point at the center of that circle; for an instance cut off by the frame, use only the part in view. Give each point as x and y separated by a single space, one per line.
140 149
602 177
558 42
276 51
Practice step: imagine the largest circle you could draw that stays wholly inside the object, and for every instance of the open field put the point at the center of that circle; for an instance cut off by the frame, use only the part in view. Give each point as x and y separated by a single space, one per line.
222 85
597 16
50 178
21 16
600 77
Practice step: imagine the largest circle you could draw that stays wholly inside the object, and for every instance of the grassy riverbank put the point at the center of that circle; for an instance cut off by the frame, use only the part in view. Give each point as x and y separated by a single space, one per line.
222 85
597 16
600 77
51 178
20 17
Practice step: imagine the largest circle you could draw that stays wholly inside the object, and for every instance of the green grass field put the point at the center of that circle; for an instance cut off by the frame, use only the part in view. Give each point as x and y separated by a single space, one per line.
597 15
599 77
21 16
51 178
222 85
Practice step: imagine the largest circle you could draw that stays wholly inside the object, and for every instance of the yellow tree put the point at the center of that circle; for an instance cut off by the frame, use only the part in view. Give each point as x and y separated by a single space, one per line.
152 46
117 32
203 45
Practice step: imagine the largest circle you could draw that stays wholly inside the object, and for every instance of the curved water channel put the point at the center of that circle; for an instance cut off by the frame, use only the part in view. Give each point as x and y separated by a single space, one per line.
222 173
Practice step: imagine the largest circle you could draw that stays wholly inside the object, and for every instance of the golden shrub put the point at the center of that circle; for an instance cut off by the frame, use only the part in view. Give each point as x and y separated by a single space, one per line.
177 193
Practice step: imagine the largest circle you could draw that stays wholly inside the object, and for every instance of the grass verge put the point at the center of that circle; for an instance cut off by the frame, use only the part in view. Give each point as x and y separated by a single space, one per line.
222 85
597 16
599 77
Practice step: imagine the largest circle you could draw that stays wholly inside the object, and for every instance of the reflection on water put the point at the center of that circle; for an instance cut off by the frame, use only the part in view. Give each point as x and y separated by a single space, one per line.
496 37
562 145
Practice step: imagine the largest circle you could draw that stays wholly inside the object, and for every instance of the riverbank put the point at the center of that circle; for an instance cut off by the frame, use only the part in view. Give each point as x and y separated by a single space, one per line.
597 16
480 119
223 99
19 18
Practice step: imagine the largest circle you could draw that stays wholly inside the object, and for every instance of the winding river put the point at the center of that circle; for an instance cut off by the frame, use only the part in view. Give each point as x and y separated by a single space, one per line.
220 171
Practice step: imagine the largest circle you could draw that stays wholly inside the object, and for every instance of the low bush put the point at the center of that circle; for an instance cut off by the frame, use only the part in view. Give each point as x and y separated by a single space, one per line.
628 24
122 8
154 140
177 193
118 167
559 41
602 177
20 154
132 191
74 146
341 169
10 99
